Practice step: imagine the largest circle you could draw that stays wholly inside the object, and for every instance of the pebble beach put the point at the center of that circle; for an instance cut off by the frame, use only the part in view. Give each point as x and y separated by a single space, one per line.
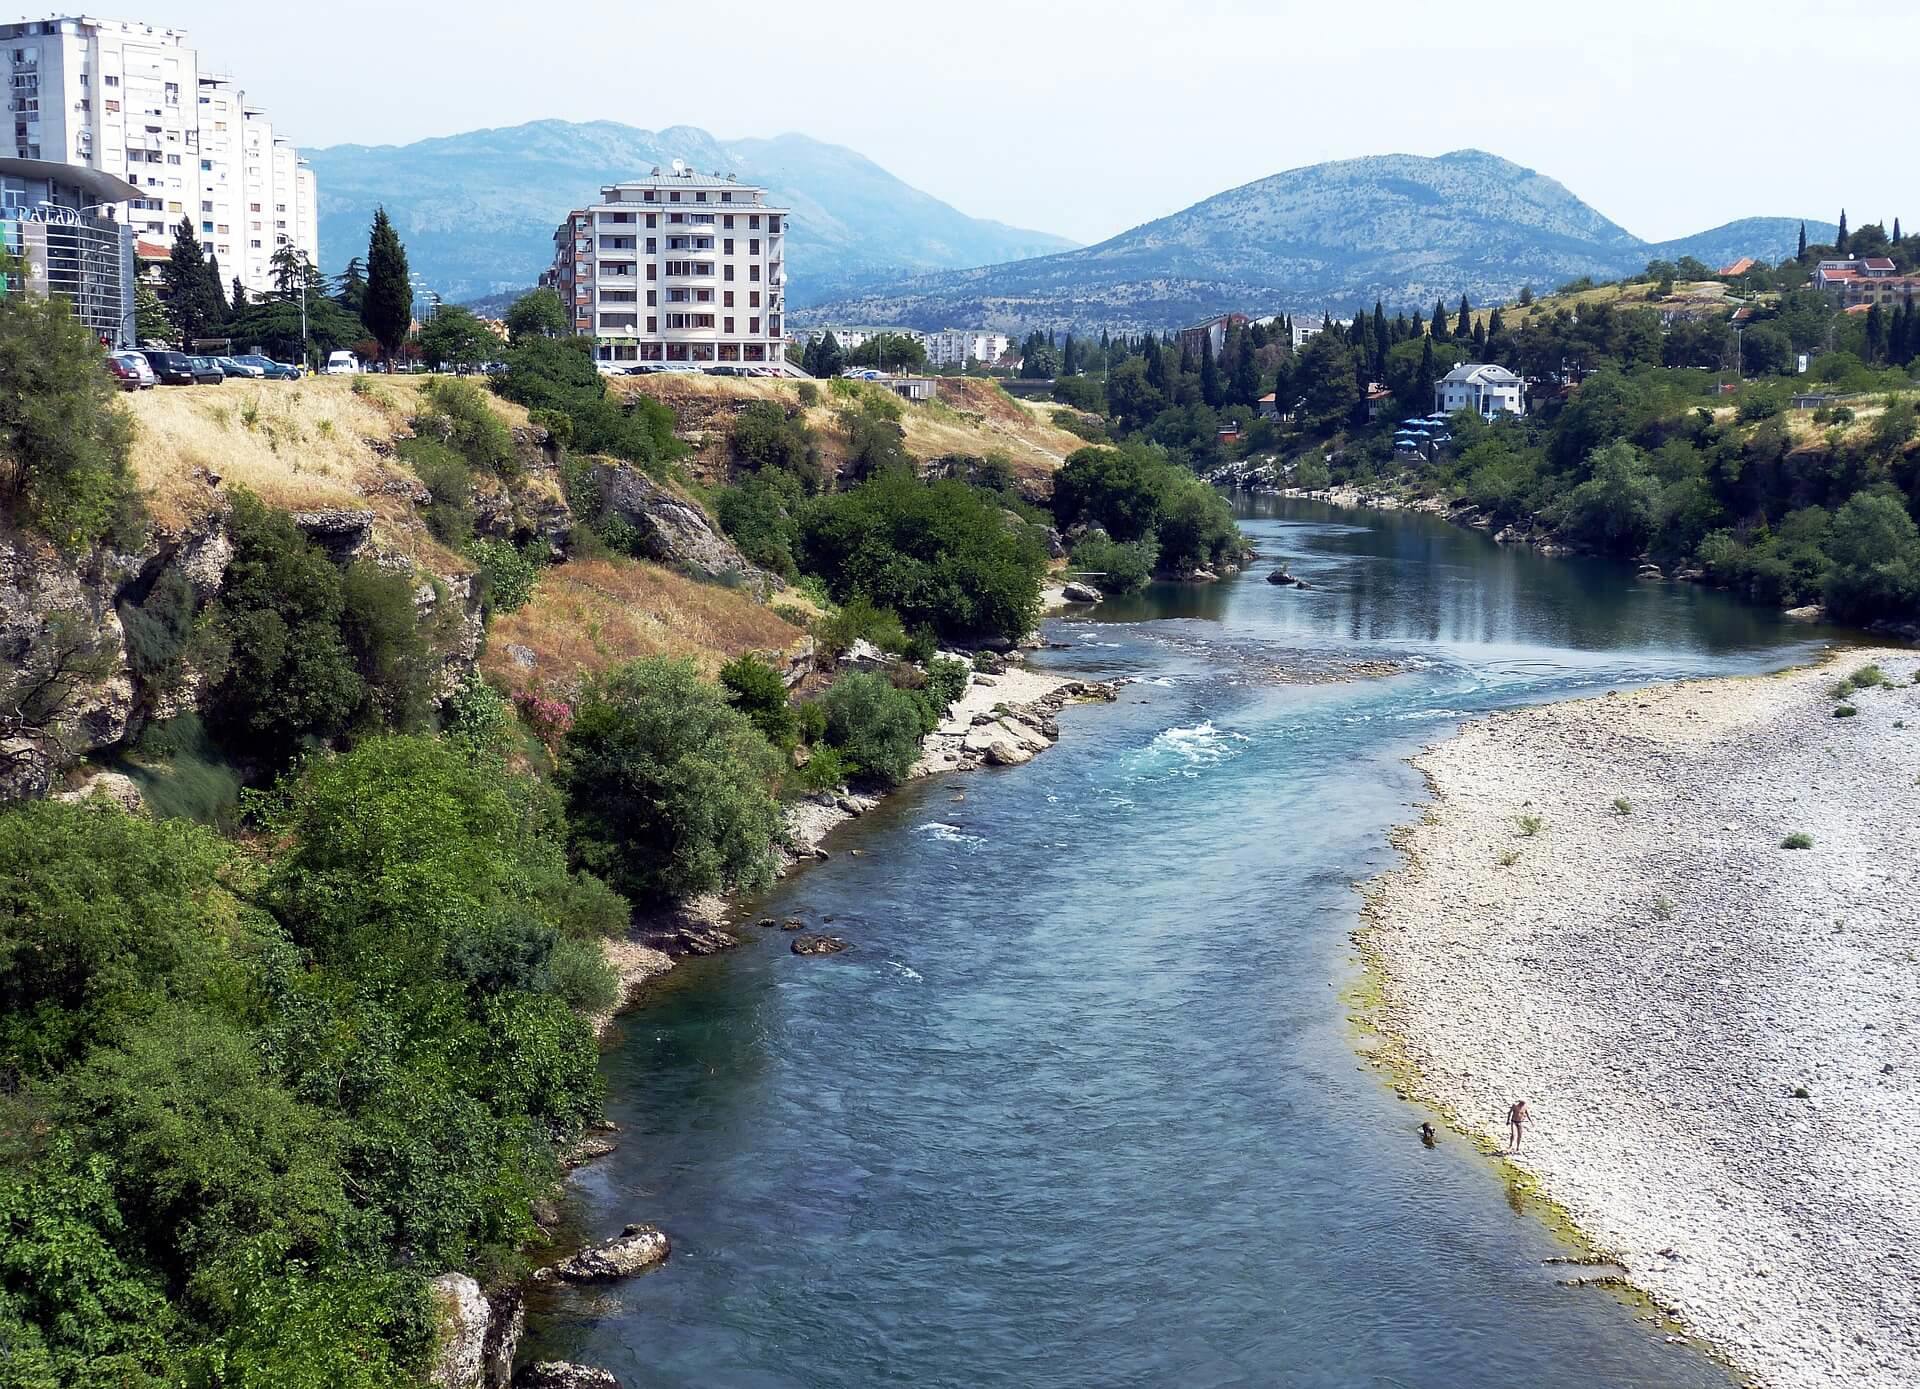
1718 1037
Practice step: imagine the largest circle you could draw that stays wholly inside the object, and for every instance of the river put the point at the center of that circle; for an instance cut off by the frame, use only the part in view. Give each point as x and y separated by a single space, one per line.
1083 1106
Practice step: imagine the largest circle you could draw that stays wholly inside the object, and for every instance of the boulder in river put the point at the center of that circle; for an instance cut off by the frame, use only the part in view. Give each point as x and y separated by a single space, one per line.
564 1374
1077 592
635 1248
1285 580
814 943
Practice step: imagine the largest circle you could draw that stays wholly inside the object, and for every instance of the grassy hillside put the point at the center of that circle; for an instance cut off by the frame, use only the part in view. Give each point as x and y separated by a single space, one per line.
971 416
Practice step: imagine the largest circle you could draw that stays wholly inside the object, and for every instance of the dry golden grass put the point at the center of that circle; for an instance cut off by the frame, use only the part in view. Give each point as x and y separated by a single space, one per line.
592 614
299 445
971 416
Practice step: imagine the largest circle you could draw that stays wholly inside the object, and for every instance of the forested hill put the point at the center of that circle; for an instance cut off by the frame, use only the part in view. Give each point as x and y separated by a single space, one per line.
477 210
1399 228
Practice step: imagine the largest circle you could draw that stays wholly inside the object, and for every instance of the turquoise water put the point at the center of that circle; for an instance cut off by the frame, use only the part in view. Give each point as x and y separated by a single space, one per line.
1082 1106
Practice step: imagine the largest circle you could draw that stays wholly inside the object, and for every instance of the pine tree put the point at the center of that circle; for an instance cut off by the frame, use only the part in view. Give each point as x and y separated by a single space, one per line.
150 321
1437 328
1464 327
1840 240
389 310
350 287
239 294
1209 373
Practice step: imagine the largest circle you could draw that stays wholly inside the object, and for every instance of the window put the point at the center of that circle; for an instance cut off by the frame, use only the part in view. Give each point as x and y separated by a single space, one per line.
753 299
653 297
727 198
727 247
753 247
112 106
255 244
206 166
653 219
727 325
753 223
652 245
773 225
206 207
173 159
753 325
753 273
650 269
653 324
206 226
674 196
253 207
674 218
726 301
111 80
727 221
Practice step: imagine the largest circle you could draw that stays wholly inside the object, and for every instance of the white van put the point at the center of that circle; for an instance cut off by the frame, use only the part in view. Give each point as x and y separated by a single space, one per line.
342 364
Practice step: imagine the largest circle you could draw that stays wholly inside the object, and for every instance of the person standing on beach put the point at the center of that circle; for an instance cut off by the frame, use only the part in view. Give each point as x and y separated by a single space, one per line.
1516 1121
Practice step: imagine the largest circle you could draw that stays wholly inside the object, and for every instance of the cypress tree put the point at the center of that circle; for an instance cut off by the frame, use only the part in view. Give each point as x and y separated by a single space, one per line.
1876 335
1479 340
1419 325
1840 240
1156 363
1423 383
1465 326
239 294
1069 356
1245 386
389 307
1438 327
1896 231
1802 252
193 301
1209 373
1381 340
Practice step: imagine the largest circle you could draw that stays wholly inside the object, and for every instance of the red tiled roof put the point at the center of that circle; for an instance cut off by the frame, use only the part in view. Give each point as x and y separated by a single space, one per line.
1830 276
1878 263
144 249
1858 308
1739 267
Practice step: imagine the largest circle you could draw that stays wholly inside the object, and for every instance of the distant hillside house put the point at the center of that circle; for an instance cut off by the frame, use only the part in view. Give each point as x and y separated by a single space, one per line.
1310 327
1212 333
1861 281
1482 387
1739 267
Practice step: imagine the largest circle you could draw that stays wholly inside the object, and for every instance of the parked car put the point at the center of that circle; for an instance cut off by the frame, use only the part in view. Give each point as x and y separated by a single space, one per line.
206 372
342 364
270 369
240 366
169 367
131 371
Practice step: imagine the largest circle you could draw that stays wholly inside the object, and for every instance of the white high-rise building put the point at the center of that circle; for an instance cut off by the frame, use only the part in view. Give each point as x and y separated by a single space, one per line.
135 100
676 267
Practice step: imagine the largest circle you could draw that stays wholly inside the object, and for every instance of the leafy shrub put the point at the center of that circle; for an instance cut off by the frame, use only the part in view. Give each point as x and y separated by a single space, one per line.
758 515
449 484
1529 825
809 394
158 629
946 682
461 415
667 785
1622 806
759 691
765 437
63 442
1084 393
381 630
825 770
478 717
288 675
939 553
1875 549
876 727
859 620
1844 711
507 573
1117 566
1797 840
557 374
811 719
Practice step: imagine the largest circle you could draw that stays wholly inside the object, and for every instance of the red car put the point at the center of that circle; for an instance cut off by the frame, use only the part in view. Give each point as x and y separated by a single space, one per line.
131 371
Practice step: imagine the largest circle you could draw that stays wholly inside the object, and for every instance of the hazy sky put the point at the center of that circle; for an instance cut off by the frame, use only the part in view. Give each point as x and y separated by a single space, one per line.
1087 118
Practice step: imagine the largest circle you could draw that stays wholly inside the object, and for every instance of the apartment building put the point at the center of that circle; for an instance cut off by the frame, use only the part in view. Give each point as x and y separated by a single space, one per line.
1482 387
135 100
955 347
1212 333
676 267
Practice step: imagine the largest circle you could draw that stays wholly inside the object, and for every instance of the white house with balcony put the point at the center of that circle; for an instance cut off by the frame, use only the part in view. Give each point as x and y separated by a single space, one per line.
1482 387
676 267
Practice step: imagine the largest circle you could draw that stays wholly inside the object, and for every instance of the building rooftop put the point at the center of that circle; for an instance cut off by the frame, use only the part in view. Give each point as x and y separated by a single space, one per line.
102 186
1481 371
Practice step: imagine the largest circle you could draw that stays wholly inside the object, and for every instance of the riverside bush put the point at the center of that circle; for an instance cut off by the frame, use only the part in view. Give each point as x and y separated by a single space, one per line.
508 574
1117 566
667 785
759 691
939 553
875 726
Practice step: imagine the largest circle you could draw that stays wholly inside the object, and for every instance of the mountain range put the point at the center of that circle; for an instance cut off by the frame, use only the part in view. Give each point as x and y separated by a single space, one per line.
477 210
1399 228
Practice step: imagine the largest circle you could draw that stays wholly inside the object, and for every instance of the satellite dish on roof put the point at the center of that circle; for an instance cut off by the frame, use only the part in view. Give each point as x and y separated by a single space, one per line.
679 166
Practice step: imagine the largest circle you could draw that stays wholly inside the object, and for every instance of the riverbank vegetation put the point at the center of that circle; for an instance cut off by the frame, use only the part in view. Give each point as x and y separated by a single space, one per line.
309 1027
1670 420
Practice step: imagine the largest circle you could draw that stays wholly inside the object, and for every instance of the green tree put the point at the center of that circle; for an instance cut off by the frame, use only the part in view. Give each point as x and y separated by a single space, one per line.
824 356
765 436
389 300
759 691
1464 327
151 323
350 287
456 337
1210 390
1840 238
667 786
537 313
1875 549
1615 508
889 352
1437 328
874 726
63 443
191 287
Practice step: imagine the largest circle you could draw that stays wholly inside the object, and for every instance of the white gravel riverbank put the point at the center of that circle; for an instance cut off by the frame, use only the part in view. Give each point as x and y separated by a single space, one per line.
1662 983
